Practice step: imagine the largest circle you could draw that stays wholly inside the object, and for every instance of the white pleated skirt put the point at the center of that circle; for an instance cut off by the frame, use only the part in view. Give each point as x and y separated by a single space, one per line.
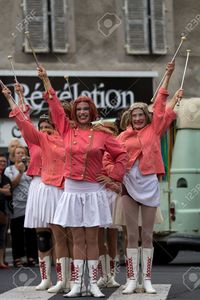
118 215
31 213
143 189
83 204
112 200
42 205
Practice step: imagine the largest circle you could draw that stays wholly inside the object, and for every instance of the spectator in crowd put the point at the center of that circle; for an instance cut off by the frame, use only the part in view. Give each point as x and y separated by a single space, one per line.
5 204
11 148
23 239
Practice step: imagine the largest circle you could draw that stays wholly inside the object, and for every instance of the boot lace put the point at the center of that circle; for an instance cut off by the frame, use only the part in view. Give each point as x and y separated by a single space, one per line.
73 275
100 269
148 272
59 271
94 273
130 271
76 271
43 270
112 267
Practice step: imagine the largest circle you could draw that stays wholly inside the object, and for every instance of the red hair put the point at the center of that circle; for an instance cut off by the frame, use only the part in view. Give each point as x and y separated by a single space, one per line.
93 109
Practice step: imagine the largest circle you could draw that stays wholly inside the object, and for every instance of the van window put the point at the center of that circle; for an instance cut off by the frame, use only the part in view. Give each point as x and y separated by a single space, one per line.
182 182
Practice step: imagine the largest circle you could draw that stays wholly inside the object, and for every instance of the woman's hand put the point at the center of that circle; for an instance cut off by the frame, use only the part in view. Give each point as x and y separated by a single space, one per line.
170 68
178 95
103 179
41 72
6 92
19 88
21 167
6 190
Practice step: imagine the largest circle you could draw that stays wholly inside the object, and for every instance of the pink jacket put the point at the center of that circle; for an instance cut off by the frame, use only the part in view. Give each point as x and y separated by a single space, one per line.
169 117
35 165
52 147
85 147
149 152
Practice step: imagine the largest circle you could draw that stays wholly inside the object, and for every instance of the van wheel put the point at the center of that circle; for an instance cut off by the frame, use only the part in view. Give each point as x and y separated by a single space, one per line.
164 254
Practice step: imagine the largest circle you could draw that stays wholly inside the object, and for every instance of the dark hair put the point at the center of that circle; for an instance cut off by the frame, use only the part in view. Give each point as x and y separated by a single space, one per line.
45 118
93 109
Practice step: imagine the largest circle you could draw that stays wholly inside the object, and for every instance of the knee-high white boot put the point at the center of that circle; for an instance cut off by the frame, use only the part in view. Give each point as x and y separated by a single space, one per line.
45 271
147 258
111 282
61 271
93 270
76 290
102 271
132 270
72 273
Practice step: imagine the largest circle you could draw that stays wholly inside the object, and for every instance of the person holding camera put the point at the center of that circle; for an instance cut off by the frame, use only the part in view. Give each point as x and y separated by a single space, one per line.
5 207
23 239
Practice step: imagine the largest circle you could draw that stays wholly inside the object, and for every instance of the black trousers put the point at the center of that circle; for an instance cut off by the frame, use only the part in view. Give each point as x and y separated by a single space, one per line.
24 242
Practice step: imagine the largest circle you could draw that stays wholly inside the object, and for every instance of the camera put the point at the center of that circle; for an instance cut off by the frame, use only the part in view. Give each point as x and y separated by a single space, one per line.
24 160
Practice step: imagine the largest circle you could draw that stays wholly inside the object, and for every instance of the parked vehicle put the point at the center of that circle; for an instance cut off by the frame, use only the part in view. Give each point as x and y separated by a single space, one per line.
180 199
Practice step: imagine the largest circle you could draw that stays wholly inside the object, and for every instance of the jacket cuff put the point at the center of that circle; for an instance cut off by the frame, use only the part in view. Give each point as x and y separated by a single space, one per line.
163 91
170 112
14 112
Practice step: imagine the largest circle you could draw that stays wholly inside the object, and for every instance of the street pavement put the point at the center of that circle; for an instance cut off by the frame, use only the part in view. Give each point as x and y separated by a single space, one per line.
179 280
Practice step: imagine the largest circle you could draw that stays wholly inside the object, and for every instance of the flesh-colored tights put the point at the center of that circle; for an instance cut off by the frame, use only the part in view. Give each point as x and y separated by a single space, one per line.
131 210
85 242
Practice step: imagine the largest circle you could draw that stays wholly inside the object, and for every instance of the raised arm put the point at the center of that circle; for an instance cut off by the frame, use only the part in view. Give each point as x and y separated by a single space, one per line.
59 118
160 101
18 115
20 92
29 132
8 95
175 99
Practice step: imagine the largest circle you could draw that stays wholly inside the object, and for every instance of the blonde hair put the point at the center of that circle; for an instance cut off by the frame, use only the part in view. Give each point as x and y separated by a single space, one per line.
126 118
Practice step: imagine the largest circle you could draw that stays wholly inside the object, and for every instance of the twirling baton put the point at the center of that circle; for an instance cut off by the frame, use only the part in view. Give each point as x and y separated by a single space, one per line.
67 79
183 38
21 98
184 72
13 100
36 60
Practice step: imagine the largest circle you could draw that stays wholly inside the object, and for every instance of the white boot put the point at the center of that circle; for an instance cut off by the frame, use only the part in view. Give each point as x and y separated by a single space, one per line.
127 274
132 270
93 288
72 273
102 270
61 271
147 258
111 273
45 271
76 290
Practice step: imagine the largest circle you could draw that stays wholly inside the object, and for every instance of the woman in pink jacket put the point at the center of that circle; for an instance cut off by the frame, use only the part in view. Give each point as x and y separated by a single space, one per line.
47 160
84 205
140 184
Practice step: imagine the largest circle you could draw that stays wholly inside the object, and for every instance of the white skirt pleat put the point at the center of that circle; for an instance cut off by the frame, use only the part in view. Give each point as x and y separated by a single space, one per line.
50 196
112 200
83 204
119 216
31 214
142 188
